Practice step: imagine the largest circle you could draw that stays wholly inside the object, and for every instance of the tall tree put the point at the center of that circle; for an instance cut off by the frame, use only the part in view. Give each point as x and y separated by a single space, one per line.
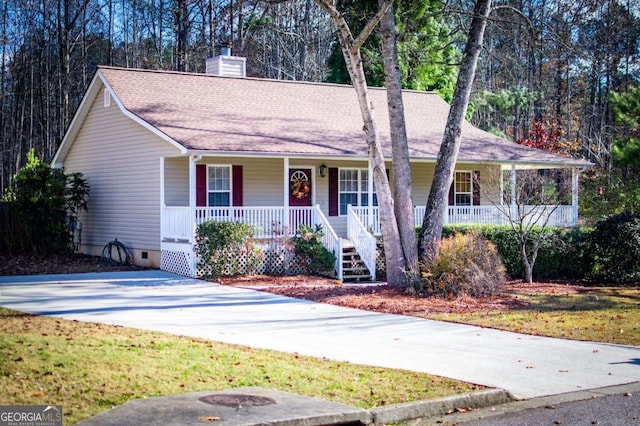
431 231
350 46
402 187
426 47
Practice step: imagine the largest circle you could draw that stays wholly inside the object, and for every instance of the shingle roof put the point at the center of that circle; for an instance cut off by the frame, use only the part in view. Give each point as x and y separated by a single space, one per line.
273 117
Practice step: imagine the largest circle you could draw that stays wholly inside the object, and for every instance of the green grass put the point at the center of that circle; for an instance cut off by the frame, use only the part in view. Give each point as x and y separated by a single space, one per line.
610 315
88 368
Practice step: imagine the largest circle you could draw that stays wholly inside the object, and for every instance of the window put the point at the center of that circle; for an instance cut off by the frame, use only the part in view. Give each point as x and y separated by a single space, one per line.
219 185
353 189
463 185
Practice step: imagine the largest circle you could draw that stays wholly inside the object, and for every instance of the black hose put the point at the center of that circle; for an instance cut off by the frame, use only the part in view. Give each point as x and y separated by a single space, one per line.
115 253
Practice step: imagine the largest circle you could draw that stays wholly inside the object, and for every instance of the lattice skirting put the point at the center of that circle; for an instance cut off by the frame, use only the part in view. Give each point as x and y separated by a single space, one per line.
381 264
177 258
275 259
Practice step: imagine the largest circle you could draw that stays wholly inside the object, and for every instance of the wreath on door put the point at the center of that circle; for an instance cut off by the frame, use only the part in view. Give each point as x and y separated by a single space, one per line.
300 186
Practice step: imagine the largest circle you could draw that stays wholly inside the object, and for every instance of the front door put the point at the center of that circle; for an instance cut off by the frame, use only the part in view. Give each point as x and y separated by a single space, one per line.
299 187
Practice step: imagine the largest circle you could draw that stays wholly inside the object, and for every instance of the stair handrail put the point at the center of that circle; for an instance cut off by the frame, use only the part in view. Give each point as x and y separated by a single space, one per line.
330 240
363 241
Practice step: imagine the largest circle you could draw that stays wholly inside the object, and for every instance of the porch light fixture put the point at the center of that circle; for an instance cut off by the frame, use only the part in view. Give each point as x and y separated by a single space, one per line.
323 170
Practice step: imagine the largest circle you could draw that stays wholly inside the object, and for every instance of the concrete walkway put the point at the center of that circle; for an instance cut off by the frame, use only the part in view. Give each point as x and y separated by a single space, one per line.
526 366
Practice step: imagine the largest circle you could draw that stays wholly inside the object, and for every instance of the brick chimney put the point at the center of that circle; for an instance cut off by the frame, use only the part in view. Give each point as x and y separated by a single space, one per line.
226 65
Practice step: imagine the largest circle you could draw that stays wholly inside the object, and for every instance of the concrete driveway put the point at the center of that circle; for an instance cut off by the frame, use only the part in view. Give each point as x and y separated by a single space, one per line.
526 366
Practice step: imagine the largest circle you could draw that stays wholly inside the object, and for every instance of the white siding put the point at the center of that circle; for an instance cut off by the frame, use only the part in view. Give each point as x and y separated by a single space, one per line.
227 66
176 181
121 161
421 178
262 181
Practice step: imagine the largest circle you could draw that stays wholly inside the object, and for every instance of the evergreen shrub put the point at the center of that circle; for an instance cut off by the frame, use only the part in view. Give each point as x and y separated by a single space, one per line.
307 244
615 249
563 255
41 207
226 249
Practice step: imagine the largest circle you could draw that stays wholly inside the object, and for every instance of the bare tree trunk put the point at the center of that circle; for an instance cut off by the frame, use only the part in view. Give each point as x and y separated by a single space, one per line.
351 52
431 232
181 15
301 73
402 185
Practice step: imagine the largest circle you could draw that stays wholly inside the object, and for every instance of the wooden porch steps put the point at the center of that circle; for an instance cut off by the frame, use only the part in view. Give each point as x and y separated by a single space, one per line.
353 268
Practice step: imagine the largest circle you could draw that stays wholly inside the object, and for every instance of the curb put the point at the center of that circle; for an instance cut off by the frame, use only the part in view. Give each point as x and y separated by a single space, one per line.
515 405
438 406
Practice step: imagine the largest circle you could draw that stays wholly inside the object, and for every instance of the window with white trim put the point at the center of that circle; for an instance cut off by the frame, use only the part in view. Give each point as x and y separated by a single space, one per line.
463 187
219 186
353 189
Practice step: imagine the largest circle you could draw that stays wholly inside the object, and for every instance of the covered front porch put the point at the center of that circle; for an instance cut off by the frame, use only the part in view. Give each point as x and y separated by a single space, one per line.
190 185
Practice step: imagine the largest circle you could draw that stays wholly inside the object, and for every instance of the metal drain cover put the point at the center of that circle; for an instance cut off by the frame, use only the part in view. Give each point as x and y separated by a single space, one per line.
237 400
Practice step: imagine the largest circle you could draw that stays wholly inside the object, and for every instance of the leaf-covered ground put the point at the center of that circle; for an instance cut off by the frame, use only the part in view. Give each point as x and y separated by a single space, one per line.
386 299
562 309
57 264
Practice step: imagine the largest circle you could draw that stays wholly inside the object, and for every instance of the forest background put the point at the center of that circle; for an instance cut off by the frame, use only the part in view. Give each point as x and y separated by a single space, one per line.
560 75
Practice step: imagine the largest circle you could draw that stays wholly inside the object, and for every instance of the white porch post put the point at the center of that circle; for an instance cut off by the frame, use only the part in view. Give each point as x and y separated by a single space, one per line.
192 191
574 194
501 186
514 206
370 197
285 194
162 202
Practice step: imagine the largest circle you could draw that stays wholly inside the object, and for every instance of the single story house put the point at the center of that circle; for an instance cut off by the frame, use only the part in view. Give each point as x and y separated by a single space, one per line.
164 151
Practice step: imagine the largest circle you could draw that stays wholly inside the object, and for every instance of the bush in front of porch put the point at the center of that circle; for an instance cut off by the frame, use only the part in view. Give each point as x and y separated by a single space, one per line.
226 248
229 248
308 245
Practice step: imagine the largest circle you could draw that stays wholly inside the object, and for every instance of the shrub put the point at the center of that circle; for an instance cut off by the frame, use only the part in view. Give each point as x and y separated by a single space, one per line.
467 264
42 206
615 248
563 255
227 248
308 245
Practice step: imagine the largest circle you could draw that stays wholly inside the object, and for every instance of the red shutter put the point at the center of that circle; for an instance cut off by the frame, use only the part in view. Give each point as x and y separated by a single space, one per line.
476 188
333 191
201 185
236 172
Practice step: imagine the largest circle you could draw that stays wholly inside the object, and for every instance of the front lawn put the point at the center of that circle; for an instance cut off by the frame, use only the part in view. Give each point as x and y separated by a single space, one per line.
88 368
600 314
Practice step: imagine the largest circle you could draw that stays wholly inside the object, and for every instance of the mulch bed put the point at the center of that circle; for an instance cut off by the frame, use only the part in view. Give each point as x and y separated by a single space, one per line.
387 299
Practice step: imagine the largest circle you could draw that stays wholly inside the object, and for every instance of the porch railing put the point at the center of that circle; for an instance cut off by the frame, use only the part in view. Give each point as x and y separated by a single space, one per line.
363 241
176 224
179 225
369 218
330 240
269 221
484 215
